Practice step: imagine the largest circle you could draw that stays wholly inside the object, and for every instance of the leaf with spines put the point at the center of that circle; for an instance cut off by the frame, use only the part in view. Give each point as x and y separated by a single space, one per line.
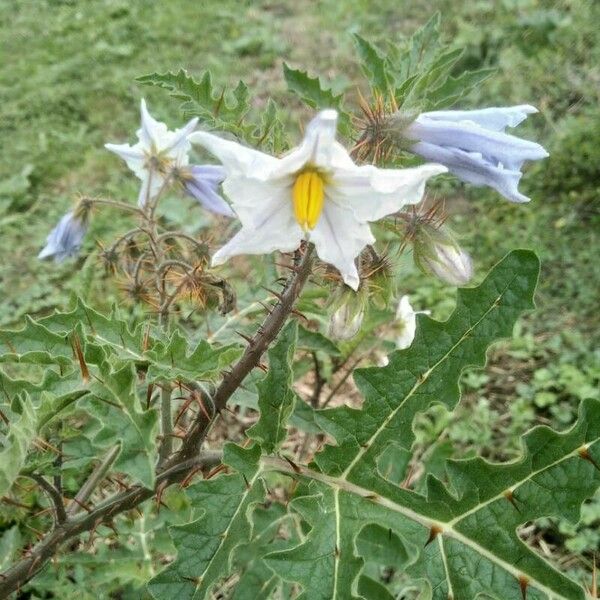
22 433
313 92
206 546
276 399
462 534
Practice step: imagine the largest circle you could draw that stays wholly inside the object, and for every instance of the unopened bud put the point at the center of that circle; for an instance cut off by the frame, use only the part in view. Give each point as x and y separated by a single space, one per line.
347 316
436 252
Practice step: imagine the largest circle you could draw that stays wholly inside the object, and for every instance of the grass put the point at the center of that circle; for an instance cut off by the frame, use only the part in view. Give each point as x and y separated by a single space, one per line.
68 86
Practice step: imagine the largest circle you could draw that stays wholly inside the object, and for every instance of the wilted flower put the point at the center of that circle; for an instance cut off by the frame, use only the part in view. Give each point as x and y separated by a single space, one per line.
315 192
202 182
474 146
65 239
157 153
406 321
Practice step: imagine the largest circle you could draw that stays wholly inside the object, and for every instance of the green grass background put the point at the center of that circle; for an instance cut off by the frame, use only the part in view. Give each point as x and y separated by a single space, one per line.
67 85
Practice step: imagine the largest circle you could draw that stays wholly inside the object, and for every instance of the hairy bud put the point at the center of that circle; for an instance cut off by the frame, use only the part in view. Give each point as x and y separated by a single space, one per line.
347 316
436 252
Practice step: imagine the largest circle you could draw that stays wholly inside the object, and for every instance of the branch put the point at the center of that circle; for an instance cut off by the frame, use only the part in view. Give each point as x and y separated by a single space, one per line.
181 465
256 347
54 494
93 480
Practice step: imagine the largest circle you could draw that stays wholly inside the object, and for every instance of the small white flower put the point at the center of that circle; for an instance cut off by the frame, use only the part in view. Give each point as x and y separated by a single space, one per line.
406 321
315 193
157 153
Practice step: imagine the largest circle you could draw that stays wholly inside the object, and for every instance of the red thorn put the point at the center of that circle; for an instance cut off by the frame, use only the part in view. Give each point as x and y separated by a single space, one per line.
585 454
186 481
149 392
508 494
299 314
292 464
85 372
433 533
263 367
244 336
216 470
523 583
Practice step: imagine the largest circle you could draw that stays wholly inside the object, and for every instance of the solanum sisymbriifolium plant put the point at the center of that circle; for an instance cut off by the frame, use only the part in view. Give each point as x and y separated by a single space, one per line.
215 448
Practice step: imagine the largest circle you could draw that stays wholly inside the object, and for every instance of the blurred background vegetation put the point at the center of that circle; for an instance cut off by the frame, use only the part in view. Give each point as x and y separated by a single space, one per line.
67 86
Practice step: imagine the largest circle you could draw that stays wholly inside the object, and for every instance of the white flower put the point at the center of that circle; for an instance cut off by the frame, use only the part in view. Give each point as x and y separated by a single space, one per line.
157 153
315 192
406 320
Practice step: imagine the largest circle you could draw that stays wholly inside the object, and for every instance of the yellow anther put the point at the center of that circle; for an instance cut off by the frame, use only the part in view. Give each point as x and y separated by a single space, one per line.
308 196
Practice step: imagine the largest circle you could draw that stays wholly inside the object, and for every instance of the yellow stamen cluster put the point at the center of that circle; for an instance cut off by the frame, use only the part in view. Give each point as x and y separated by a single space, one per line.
308 195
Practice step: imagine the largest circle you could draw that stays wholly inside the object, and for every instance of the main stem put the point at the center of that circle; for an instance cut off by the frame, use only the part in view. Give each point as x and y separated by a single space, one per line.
183 463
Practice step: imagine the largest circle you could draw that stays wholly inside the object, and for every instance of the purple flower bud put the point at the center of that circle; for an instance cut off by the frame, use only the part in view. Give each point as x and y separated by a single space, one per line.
474 146
65 239
202 182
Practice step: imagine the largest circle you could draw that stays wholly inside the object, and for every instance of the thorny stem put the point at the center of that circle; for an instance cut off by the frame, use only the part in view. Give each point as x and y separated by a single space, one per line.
54 494
186 461
93 480
166 420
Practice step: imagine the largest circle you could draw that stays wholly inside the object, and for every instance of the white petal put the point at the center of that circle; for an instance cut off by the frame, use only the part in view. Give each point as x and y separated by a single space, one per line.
339 238
404 308
277 231
133 155
237 159
152 131
494 118
374 193
151 184
252 198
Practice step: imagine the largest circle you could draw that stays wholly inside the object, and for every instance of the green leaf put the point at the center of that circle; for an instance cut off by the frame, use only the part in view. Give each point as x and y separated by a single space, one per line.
374 64
310 90
215 107
206 546
10 543
473 516
313 340
117 407
22 432
276 399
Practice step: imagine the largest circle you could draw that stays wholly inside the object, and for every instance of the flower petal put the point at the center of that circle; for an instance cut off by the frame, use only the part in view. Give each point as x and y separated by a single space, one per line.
493 118
339 238
252 198
65 239
133 155
475 169
178 142
204 189
374 193
236 158
277 231
152 181
508 150
151 131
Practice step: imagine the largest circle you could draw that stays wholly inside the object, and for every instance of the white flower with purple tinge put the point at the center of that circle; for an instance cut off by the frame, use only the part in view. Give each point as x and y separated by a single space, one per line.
202 182
315 192
65 239
474 146
157 153
406 321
